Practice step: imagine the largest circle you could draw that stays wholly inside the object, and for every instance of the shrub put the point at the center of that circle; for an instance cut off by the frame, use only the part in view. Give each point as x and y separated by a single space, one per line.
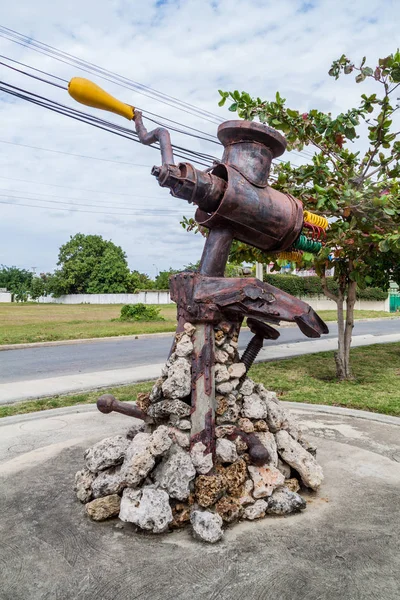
311 286
140 312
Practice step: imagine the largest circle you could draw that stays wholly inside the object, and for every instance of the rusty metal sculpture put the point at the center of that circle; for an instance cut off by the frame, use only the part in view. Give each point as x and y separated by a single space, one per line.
234 201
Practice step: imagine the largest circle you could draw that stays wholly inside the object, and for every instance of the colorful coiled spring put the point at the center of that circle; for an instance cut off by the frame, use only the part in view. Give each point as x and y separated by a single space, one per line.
303 243
316 220
291 256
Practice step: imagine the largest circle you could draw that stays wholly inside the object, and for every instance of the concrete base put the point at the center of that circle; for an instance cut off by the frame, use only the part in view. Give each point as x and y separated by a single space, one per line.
344 546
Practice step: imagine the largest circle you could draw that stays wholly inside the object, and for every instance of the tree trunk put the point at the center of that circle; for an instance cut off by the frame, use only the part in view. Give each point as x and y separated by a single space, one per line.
345 326
348 332
340 354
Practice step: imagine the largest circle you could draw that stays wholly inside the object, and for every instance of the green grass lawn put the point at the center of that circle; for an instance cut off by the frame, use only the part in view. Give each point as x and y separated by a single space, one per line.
310 378
30 322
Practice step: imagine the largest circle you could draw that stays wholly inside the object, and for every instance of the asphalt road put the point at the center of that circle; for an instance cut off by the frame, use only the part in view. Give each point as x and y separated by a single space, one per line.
54 361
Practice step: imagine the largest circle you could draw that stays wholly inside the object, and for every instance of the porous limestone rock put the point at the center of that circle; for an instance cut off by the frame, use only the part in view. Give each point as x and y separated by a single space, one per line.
179 382
189 329
265 480
254 407
221 356
260 425
246 497
246 425
143 401
175 473
103 508
247 387
224 430
297 457
183 424
179 437
138 461
160 441
156 391
275 414
237 370
225 388
256 510
231 412
203 462
108 482
307 445
229 349
184 347
268 441
107 453
134 429
291 425
284 502
83 485
147 508
284 468
241 445
228 508
208 489
165 408
225 451
219 338
234 477
292 484
221 373
207 526
181 515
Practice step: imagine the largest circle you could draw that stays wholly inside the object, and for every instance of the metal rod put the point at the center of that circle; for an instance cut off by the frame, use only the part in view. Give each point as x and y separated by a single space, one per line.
216 252
159 134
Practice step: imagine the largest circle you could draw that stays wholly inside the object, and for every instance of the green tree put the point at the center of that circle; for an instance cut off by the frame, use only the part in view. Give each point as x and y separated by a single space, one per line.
140 281
89 264
352 178
162 279
17 281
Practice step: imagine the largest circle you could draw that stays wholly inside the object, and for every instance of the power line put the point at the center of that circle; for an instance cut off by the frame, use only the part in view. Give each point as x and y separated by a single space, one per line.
69 187
93 212
79 200
119 162
86 66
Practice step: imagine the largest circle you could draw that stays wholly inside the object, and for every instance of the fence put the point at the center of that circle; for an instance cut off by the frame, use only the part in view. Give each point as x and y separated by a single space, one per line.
163 297
152 297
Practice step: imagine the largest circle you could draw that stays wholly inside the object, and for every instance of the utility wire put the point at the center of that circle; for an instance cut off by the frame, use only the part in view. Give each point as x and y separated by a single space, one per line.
57 107
79 200
83 211
69 187
83 65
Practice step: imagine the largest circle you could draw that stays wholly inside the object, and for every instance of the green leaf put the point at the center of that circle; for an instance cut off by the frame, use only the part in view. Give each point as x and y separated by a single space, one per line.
222 102
389 211
360 78
233 107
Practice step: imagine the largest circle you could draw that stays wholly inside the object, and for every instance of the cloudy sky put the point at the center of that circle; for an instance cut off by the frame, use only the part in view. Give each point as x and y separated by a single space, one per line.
186 49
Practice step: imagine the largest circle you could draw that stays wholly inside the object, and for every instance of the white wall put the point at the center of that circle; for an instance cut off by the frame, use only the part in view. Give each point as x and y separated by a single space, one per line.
153 297
323 303
5 297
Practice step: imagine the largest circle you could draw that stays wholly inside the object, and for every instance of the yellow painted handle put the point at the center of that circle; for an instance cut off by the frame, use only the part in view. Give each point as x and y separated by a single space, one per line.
88 93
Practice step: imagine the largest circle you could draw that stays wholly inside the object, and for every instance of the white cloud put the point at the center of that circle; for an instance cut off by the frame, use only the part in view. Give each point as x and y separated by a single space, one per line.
187 49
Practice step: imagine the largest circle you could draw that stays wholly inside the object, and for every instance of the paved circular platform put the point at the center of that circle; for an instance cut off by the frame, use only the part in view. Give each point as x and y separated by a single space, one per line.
344 546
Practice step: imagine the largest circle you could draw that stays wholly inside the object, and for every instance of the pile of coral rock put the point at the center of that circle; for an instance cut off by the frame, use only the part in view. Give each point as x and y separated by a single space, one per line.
150 476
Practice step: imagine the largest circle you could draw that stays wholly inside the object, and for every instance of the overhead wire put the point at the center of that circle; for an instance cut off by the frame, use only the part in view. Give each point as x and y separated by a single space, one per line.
56 54
203 135
83 211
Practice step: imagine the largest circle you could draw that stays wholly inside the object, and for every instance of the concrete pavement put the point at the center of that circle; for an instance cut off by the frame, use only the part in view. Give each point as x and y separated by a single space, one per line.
344 546
19 391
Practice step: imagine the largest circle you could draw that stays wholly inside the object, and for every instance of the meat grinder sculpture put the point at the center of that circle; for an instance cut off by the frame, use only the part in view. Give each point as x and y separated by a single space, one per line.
234 201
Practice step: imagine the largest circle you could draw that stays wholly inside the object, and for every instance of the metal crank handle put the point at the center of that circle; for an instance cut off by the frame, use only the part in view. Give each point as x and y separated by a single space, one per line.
107 403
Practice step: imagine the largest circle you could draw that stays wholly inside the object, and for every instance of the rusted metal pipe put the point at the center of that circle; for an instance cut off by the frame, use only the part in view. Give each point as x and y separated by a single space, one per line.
258 453
159 134
107 403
